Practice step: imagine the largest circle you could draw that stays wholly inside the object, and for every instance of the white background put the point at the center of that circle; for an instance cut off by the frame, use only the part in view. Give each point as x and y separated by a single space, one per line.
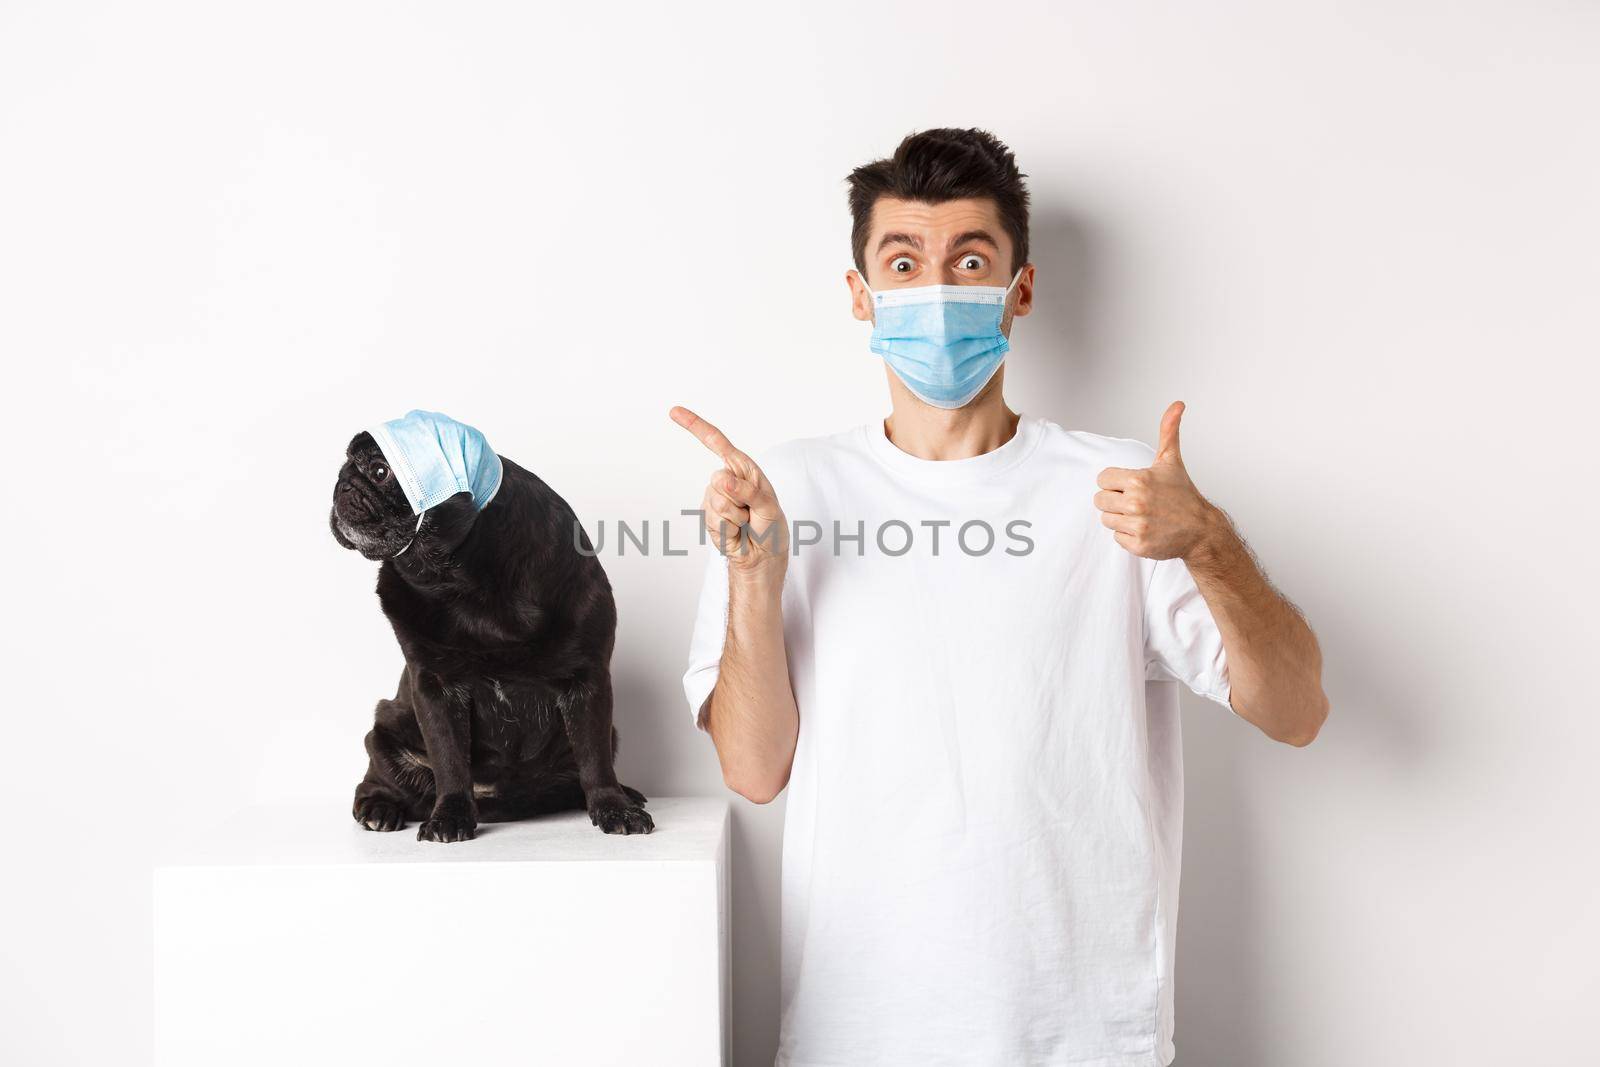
1362 241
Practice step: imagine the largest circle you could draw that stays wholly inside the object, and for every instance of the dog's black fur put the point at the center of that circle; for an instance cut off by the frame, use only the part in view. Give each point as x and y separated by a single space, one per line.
504 705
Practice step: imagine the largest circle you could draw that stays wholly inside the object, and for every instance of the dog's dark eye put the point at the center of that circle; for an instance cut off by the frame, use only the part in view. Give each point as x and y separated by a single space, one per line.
380 473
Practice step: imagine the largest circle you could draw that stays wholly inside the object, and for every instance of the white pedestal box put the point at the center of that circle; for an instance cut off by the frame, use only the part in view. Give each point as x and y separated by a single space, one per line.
291 936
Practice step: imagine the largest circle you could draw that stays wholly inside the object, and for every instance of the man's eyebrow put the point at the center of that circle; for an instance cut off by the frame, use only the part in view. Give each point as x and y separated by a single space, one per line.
976 235
900 238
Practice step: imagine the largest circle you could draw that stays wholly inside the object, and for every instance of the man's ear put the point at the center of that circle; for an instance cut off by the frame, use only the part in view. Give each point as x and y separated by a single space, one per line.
1023 302
1024 291
860 297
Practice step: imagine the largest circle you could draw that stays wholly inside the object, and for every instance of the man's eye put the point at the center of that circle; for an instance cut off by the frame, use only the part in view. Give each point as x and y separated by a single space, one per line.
973 262
379 473
902 264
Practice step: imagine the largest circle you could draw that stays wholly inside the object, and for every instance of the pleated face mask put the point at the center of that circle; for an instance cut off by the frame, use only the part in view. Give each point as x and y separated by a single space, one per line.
433 457
943 341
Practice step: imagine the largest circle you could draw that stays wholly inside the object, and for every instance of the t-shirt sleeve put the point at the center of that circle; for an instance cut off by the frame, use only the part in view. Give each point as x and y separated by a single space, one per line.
1182 642
710 630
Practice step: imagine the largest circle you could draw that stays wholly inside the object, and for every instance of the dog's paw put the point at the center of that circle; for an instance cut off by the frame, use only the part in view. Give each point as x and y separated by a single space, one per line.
620 815
452 819
447 828
377 813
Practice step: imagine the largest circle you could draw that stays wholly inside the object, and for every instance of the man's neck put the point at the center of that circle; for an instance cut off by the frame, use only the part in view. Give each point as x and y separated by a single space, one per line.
927 432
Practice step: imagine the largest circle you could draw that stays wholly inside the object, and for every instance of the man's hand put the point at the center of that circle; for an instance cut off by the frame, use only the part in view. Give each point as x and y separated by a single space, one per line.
1274 662
751 713
741 510
1157 512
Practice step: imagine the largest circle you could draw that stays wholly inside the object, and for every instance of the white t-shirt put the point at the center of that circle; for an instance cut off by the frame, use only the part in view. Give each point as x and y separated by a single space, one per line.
984 815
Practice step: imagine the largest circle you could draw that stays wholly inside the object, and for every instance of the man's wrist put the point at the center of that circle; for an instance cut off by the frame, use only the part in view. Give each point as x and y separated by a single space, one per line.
1216 542
763 581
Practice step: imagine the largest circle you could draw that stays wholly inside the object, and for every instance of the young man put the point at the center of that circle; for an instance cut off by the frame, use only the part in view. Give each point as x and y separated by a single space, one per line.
957 641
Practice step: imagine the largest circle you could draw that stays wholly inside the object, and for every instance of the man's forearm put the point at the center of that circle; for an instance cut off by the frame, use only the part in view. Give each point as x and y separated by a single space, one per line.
751 713
1274 662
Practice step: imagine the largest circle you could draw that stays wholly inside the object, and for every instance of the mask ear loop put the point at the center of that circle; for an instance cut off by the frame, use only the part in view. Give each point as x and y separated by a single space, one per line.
1006 298
414 533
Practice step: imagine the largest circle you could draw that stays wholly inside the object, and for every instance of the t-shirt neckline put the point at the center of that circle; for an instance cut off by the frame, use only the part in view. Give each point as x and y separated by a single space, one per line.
954 471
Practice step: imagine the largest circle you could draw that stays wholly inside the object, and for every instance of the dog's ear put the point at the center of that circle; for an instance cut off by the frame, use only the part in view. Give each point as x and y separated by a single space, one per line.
447 525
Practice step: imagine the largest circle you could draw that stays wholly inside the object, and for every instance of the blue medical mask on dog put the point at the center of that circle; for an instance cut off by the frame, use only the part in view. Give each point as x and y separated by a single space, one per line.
942 341
434 457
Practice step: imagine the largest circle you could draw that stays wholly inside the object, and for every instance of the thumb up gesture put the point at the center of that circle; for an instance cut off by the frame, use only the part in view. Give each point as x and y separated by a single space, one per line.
1156 512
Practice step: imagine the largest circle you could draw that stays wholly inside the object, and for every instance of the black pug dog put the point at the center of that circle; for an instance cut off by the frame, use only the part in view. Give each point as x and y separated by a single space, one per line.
504 706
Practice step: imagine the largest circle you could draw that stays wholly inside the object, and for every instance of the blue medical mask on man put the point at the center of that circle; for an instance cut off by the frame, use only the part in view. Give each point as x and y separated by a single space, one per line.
434 457
943 341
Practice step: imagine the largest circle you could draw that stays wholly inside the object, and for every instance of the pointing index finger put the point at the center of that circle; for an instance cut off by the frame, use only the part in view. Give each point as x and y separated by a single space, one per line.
708 435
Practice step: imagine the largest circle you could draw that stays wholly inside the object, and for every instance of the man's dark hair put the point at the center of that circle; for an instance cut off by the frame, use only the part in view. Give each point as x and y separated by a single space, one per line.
939 165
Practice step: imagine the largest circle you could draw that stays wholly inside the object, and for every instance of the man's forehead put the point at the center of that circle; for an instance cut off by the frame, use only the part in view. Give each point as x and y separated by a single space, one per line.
938 221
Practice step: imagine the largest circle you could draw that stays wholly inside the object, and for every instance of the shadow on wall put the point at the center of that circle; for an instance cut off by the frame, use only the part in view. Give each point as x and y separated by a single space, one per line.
1064 326
1223 990
755 839
1217 976
1218 981
1224 954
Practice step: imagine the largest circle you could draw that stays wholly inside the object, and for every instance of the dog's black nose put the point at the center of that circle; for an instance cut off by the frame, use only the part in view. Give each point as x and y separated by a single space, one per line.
347 500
